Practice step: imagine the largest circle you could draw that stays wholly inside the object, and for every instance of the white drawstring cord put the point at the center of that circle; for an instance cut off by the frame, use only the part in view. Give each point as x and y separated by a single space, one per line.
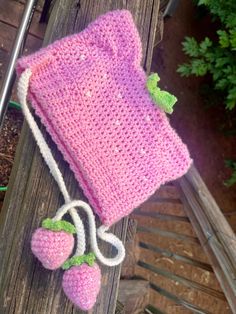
107 237
22 89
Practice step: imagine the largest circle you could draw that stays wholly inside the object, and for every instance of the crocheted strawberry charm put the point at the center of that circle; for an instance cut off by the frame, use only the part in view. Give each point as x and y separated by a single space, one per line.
81 282
53 243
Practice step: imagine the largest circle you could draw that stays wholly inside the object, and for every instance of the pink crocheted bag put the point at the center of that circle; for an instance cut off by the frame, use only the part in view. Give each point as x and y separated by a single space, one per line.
90 92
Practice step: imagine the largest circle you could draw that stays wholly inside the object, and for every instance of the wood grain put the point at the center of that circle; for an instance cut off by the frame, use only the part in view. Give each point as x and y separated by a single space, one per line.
213 230
8 33
172 225
182 291
171 243
132 250
134 295
165 208
25 287
11 13
181 268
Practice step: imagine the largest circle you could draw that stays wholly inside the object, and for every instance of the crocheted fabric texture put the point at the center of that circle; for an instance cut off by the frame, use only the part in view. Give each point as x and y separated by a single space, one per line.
81 284
90 92
52 248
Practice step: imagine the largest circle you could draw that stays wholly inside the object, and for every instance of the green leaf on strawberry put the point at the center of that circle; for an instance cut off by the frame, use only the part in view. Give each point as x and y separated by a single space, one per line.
79 260
60 225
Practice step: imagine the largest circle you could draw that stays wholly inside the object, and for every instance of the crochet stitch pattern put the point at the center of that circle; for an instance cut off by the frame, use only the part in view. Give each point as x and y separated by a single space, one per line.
90 92
52 248
79 287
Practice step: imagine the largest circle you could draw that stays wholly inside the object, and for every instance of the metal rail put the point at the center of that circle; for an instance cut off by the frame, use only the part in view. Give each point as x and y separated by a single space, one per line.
9 77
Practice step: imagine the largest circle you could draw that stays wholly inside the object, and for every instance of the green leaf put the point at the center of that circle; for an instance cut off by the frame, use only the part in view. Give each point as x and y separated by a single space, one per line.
191 47
231 99
232 78
199 67
79 260
223 39
185 69
210 56
203 2
233 38
221 62
230 104
230 163
161 98
215 56
232 180
204 45
221 84
60 225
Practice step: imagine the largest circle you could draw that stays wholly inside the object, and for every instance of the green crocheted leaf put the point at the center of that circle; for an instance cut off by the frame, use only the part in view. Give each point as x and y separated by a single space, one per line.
61 225
161 98
152 81
79 260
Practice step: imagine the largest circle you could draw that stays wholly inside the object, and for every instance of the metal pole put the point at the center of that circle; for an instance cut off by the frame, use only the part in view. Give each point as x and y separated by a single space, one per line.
18 44
171 7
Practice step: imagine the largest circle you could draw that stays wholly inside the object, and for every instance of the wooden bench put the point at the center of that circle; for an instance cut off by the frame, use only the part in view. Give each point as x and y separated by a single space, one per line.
186 249
25 287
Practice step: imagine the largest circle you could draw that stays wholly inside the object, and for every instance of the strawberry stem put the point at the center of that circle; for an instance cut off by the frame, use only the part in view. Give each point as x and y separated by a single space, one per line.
78 260
60 225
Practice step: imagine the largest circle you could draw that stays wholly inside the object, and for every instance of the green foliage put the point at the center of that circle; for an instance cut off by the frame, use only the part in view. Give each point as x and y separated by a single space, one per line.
222 9
232 165
217 58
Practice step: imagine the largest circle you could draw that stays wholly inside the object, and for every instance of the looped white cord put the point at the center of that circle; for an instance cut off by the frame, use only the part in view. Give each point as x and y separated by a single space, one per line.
22 90
23 86
107 237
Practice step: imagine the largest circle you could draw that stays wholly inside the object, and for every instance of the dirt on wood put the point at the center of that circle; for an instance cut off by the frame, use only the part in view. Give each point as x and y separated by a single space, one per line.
10 16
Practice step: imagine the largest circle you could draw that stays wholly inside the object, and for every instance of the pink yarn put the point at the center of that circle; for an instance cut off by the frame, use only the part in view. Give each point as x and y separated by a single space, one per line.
81 285
90 92
52 248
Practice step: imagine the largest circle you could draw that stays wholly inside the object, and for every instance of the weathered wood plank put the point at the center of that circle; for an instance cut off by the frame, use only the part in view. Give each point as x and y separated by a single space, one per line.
167 208
181 305
150 309
165 305
11 13
177 246
119 308
25 287
166 192
180 280
169 234
160 29
132 250
214 232
39 4
134 295
161 217
8 34
181 268
177 226
177 257
183 294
